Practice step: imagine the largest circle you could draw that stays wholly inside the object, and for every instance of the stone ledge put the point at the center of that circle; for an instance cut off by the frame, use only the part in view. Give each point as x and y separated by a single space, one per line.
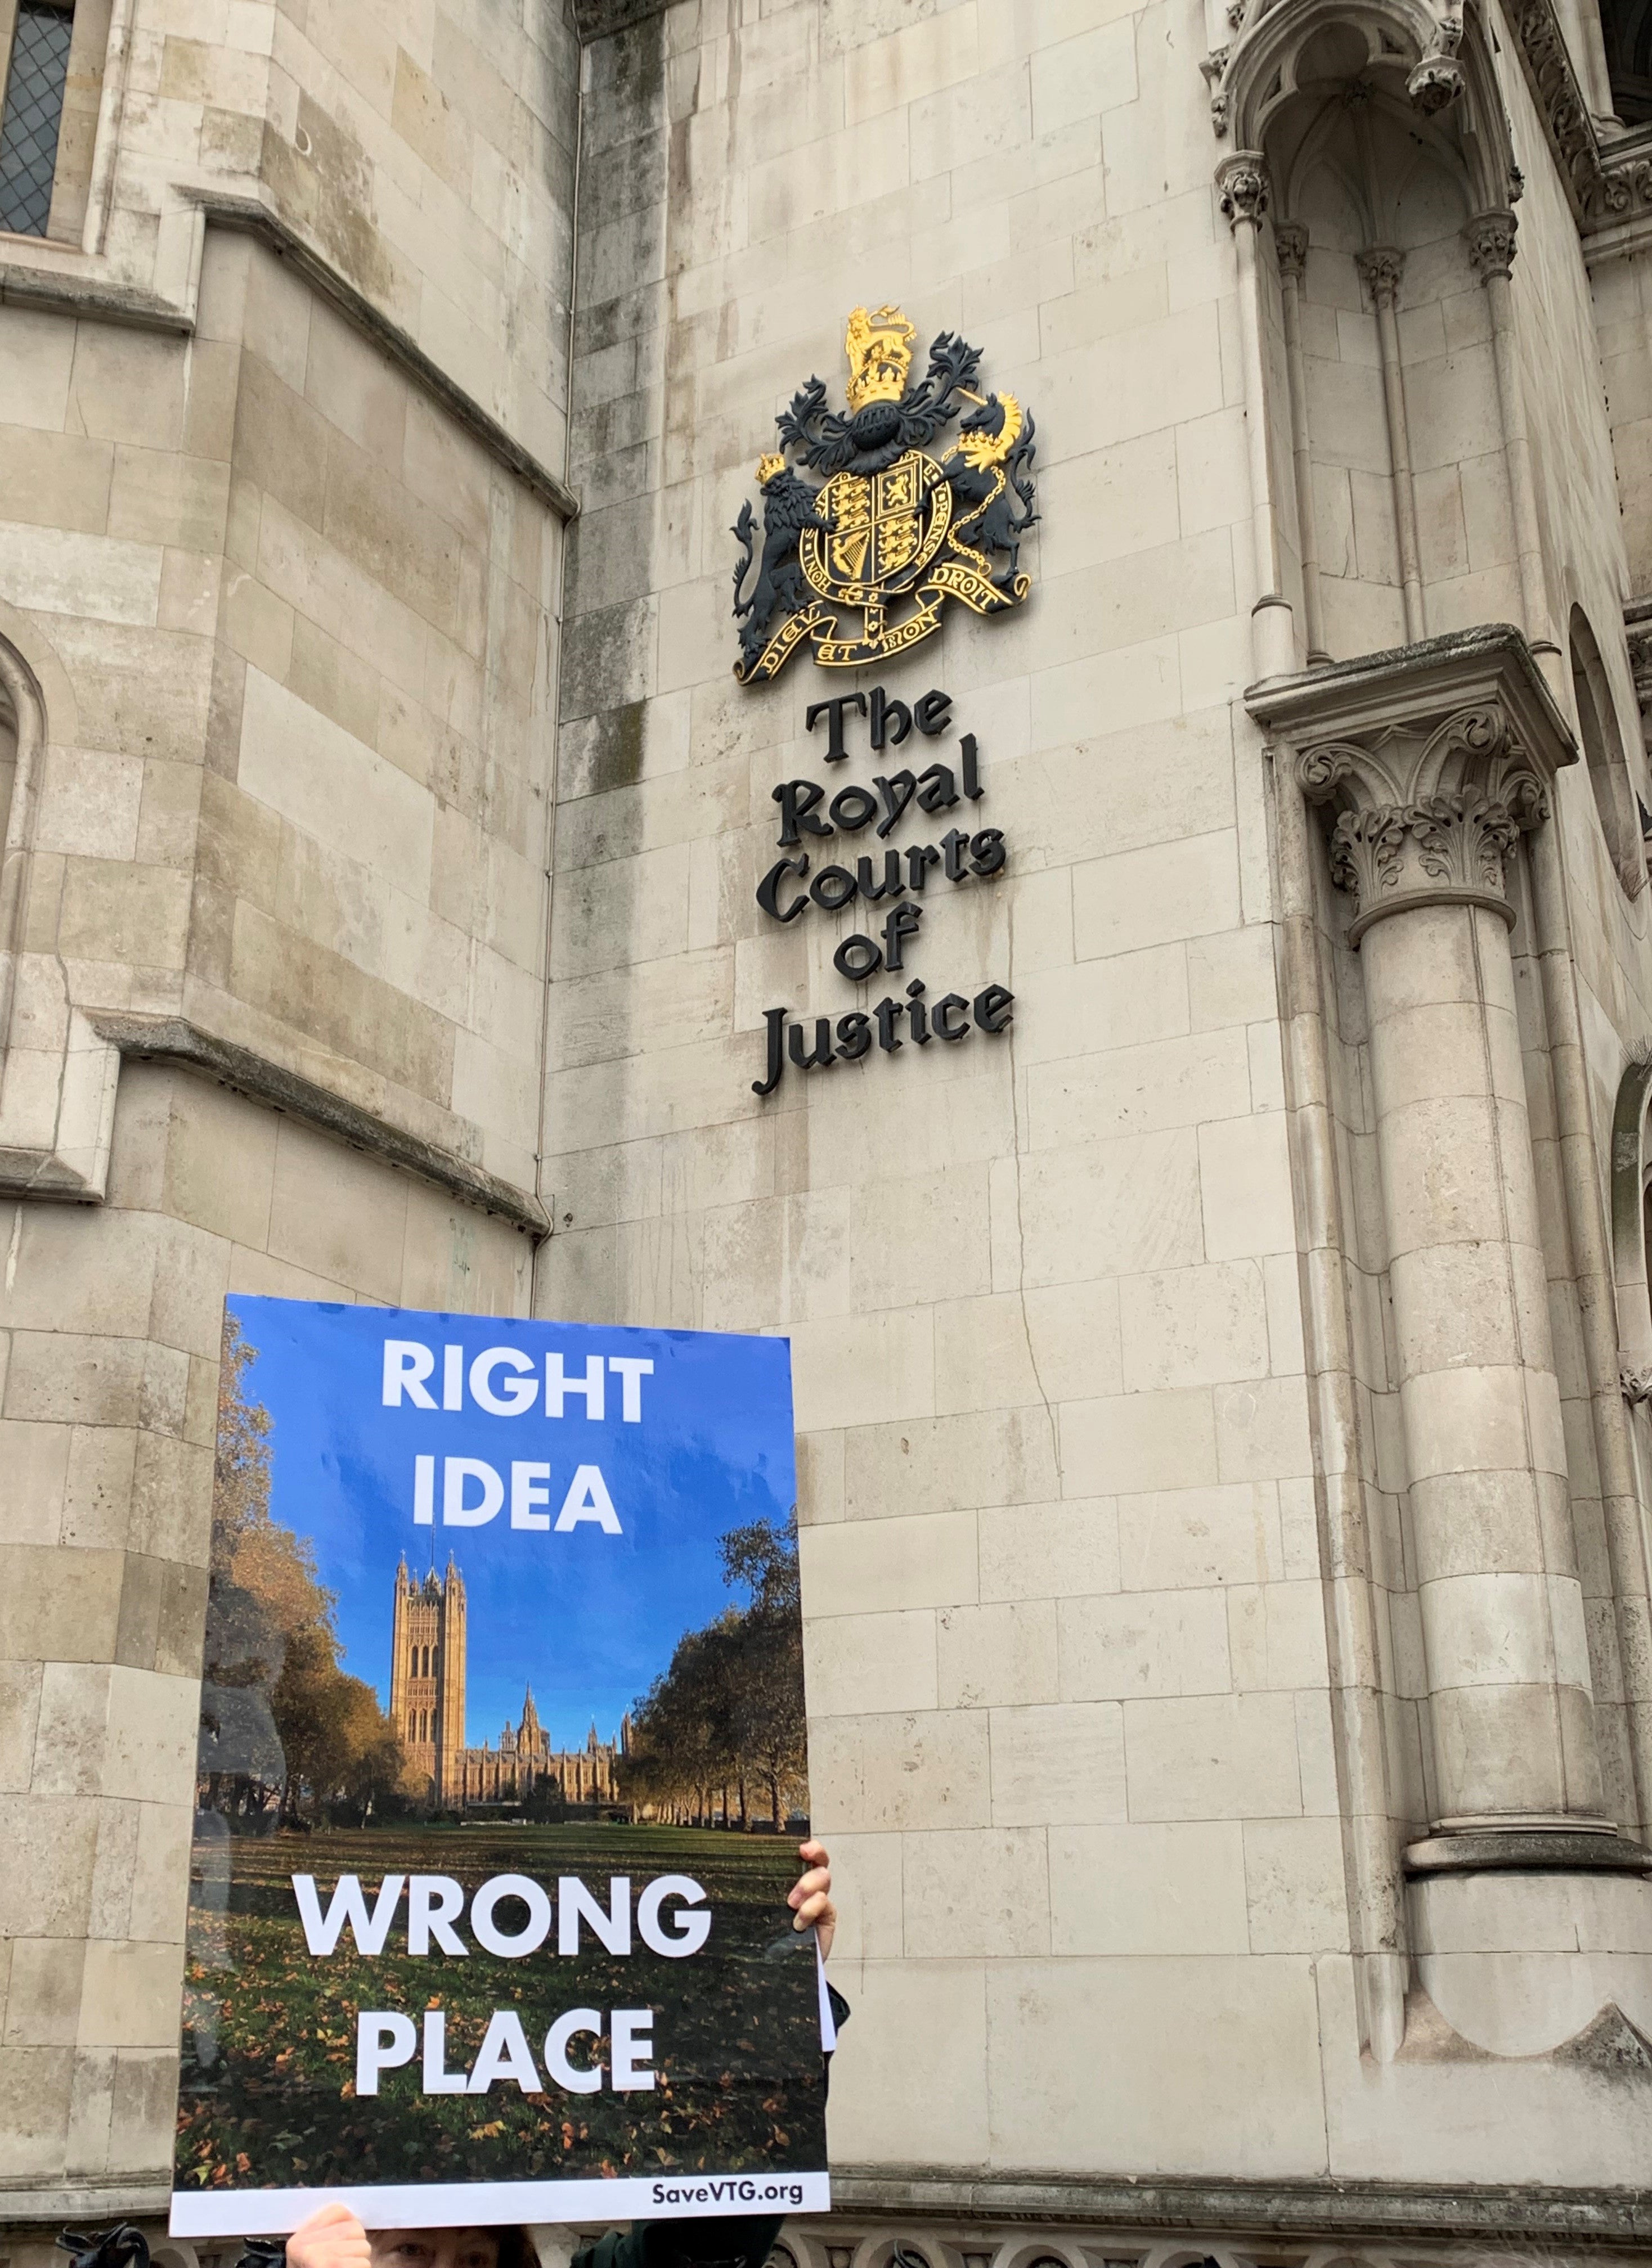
1516 1850
97 2203
1349 2209
60 291
173 1040
252 217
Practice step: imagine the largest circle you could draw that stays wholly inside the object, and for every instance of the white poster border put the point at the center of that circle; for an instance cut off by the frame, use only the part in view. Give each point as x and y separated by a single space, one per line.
486 2205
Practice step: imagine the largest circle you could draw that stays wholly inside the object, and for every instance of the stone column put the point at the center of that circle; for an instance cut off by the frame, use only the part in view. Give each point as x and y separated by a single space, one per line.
1242 181
1381 269
1436 763
1490 236
1290 243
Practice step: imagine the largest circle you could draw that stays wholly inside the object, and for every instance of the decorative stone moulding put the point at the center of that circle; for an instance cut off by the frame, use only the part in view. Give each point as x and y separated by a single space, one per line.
1608 192
1419 45
1436 758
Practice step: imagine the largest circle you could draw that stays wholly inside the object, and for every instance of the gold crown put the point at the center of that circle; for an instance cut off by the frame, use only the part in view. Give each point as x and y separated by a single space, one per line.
768 465
880 350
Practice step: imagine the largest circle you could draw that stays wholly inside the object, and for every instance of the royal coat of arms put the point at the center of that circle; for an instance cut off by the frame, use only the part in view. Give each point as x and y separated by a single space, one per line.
892 532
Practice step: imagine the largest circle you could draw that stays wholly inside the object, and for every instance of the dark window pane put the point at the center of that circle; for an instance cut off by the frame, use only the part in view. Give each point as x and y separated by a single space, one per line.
34 111
1626 27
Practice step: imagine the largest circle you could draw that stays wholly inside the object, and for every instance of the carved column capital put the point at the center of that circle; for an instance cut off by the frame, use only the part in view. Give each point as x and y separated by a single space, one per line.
1434 760
1290 243
1243 180
1381 269
1473 792
1490 238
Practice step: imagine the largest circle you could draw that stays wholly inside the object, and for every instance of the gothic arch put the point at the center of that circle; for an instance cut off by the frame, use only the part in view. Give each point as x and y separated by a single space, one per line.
1435 59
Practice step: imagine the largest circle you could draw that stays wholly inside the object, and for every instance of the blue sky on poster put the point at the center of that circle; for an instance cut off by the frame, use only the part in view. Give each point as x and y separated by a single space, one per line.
588 1618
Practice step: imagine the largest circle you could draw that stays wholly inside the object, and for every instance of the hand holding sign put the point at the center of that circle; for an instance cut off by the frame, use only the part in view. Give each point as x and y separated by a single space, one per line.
811 1896
331 2238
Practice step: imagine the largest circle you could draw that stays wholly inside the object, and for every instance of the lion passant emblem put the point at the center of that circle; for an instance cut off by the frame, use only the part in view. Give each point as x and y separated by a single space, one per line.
892 532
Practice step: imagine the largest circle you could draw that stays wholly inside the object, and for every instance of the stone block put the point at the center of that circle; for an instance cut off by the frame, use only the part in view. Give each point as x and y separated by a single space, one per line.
947 1464
1220 1755
1049 1550
996 1656
35 370
153 1721
19 1715
1114 1208
979 1894
1296 1885
1258 2018
877 2115
1276 1636
34 2089
46 1885
877 1662
72 1730
55 571
1129 1443
866 1566
1193 1326
926 1768
58 1606
1172 1540
131 1995
42 1999
33 1469
1147 1889
1139 1090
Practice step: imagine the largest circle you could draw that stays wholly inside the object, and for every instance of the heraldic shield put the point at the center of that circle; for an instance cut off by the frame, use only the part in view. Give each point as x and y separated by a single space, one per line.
892 532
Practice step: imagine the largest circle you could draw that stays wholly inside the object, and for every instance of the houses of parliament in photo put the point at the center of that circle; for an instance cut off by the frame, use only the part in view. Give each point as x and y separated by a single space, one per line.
428 1666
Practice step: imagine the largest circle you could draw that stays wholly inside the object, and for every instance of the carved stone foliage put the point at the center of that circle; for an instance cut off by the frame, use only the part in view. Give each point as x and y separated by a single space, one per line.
1472 788
1490 238
1602 192
1381 270
1433 759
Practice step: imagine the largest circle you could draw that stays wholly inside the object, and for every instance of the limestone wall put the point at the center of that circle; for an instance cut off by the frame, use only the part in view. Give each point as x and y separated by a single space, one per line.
1070 1566
386 898
280 556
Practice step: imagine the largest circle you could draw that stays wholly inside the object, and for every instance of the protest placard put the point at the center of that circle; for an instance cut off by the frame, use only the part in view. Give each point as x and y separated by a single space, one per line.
500 1778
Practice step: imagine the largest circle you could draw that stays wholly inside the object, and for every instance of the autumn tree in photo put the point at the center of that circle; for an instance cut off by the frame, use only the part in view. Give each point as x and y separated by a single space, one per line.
726 1718
286 1733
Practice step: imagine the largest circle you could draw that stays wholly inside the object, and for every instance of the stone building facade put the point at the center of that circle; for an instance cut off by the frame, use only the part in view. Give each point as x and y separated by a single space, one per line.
1224 1376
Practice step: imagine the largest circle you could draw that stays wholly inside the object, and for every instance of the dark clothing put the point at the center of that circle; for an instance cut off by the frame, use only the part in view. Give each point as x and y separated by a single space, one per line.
734 2241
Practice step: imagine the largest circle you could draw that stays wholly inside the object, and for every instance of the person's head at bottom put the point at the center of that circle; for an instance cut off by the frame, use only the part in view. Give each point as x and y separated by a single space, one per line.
332 2238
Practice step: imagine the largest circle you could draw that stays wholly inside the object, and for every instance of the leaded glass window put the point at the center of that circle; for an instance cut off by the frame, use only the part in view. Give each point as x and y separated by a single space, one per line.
32 114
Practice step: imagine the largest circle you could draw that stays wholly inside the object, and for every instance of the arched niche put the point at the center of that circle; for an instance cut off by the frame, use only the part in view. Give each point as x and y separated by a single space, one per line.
1385 147
1602 742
